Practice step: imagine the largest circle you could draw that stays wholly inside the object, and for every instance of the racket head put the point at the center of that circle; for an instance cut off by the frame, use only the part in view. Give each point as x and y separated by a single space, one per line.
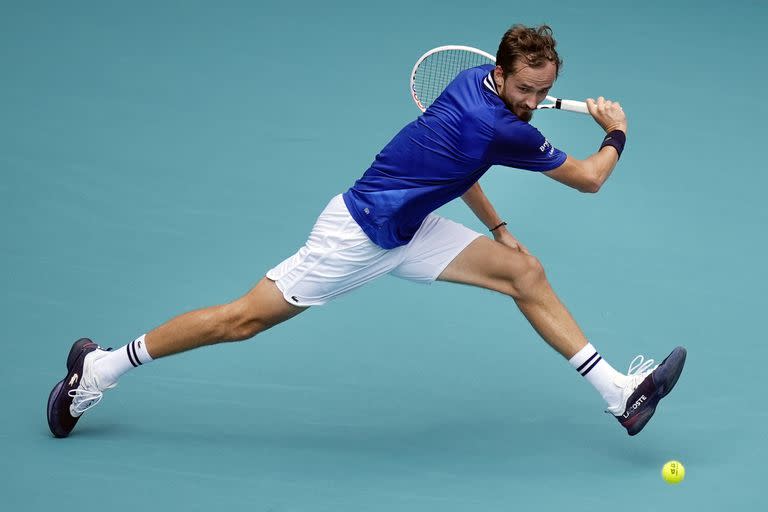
439 66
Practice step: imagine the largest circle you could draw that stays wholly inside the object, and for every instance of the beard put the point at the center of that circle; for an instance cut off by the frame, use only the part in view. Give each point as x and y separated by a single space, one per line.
523 114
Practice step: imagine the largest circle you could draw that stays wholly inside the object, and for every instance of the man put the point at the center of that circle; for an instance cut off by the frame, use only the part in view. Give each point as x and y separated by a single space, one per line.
385 224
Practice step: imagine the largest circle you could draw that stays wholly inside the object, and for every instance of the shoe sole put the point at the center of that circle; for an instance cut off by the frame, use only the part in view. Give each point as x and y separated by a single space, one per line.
665 377
76 354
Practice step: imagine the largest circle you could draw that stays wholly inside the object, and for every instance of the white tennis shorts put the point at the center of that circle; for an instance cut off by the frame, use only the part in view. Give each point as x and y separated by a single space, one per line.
339 257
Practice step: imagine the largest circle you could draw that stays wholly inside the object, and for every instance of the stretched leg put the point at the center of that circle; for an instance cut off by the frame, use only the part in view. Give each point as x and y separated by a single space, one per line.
631 399
494 266
255 312
92 370
258 310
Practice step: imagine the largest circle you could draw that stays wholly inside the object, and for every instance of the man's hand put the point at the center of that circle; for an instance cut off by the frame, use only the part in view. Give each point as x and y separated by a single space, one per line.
607 114
503 236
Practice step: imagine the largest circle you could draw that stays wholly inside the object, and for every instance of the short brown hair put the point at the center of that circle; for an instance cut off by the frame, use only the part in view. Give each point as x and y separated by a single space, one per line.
533 44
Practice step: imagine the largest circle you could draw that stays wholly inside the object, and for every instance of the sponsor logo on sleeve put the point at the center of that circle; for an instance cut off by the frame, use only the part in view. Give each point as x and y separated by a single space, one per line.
547 148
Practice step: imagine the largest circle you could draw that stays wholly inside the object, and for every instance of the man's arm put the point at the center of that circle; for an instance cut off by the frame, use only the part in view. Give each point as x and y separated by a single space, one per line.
588 175
478 202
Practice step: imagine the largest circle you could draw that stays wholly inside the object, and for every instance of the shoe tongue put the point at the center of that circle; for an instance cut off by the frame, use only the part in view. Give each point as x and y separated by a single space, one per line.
97 381
93 370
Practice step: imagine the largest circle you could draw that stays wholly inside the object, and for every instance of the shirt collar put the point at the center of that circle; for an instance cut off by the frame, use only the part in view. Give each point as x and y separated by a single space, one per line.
490 84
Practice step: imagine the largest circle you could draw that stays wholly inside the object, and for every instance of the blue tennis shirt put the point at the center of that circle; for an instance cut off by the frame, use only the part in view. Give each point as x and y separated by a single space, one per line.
440 155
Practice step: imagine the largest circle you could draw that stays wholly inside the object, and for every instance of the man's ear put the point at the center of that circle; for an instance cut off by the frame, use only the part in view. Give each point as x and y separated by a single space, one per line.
498 76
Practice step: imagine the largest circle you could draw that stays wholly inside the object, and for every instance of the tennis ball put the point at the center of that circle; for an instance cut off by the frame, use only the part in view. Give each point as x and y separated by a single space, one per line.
673 472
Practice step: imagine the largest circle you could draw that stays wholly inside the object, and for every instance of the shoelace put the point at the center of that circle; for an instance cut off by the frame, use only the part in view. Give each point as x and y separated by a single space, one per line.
84 399
642 366
639 369
88 394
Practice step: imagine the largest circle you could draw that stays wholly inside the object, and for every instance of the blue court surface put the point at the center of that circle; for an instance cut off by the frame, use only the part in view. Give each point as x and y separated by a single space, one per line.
158 157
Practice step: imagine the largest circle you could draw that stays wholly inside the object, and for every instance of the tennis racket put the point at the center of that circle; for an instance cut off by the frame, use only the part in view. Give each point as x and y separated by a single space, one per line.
435 69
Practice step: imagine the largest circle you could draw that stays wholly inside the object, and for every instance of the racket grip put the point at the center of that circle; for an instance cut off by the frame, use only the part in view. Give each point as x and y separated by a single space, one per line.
574 106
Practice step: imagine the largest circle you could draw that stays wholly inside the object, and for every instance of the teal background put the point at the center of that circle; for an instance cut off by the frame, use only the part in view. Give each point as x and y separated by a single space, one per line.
158 157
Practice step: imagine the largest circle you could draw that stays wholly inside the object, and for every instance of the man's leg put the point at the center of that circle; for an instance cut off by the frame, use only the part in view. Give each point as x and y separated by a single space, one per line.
632 399
92 370
489 264
258 310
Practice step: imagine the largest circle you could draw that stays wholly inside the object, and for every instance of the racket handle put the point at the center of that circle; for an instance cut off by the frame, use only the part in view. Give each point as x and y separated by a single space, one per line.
574 106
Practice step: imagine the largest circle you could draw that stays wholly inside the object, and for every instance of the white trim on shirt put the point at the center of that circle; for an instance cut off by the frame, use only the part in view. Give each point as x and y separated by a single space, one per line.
490 84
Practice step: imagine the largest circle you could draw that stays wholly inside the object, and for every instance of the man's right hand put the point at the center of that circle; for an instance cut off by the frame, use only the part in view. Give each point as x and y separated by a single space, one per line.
608 114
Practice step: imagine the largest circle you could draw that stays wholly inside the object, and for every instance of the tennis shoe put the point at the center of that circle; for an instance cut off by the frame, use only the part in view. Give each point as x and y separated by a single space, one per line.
643 388
78 391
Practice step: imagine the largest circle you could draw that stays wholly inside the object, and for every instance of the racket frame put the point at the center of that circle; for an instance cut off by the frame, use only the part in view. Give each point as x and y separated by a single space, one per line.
491 60
556 103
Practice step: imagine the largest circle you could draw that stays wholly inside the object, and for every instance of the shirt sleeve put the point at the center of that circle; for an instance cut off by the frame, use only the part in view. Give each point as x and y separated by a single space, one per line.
517 144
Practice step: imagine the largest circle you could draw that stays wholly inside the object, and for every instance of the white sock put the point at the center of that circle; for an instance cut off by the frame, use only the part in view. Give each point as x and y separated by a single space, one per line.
110 367
599 373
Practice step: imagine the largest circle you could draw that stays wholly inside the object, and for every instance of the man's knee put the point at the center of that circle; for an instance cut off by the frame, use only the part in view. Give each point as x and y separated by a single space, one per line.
525 277
258 310
243 322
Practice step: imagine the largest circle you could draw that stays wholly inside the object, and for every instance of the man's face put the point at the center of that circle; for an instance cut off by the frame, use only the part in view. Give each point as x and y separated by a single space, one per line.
524 89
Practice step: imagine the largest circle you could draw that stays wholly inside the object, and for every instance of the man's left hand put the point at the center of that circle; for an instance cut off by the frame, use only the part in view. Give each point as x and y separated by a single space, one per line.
503 236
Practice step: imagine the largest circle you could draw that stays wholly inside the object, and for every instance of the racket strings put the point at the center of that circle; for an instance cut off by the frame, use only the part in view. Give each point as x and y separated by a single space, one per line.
439 69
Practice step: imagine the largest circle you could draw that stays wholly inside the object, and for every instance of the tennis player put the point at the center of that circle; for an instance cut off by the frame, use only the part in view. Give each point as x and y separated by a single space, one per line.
384 224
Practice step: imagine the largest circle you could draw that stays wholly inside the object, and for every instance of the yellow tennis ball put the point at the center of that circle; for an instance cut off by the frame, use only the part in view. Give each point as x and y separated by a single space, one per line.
673 472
